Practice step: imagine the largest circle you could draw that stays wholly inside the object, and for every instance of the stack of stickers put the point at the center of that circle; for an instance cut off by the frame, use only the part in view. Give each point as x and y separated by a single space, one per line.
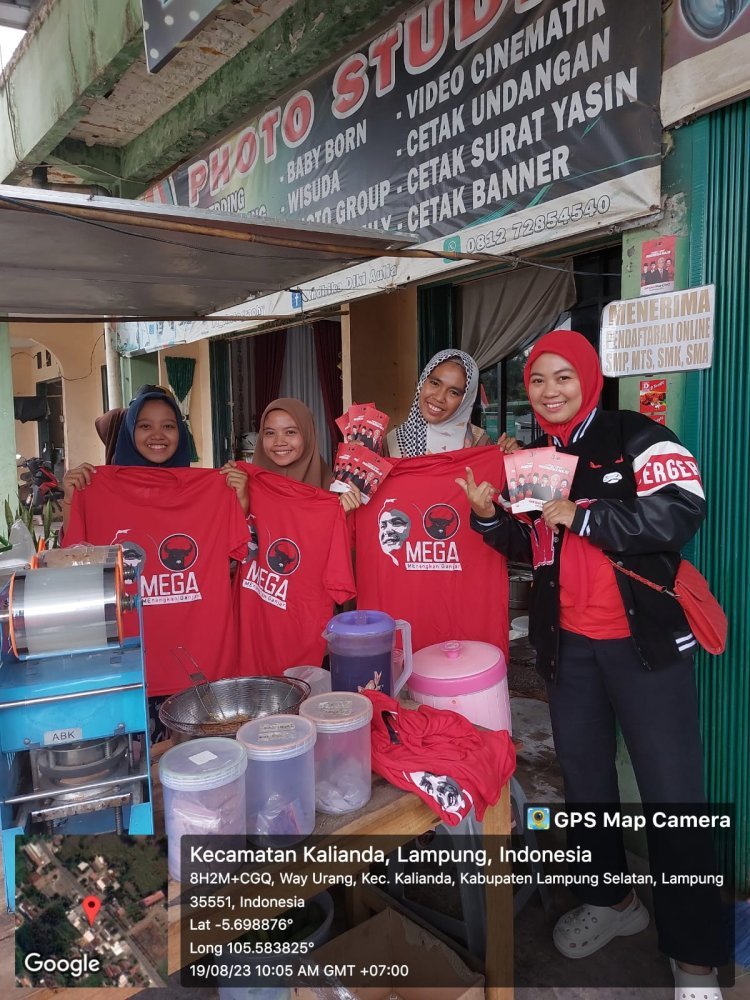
538 475
359 459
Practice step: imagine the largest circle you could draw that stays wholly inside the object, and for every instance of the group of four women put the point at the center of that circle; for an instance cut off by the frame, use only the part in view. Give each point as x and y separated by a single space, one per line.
612 651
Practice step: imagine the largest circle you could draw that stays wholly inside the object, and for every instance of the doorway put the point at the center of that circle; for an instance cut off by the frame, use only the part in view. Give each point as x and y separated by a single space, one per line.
52 428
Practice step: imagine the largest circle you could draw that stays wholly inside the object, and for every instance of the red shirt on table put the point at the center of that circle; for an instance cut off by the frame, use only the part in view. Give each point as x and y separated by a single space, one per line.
188 523
300 566
418 559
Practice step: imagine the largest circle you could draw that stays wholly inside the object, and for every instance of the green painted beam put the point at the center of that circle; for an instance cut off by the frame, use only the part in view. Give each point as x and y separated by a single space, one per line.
301 41
77 52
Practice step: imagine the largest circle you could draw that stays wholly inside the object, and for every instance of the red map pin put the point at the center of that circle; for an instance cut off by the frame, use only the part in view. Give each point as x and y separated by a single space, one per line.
91 906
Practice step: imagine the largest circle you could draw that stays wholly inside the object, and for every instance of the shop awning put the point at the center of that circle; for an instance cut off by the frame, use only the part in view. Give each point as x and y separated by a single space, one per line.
71 256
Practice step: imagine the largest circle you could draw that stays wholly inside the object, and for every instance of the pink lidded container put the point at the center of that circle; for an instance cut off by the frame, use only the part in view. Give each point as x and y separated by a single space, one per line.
467 677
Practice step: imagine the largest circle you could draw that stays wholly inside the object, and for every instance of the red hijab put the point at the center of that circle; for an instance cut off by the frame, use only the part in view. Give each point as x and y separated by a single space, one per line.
583 358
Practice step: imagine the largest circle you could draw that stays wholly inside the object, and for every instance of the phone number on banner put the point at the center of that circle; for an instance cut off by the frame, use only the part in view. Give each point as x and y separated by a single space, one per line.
523 228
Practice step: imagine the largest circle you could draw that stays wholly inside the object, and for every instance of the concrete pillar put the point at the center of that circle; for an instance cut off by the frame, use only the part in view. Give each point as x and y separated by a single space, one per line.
112 358
8 479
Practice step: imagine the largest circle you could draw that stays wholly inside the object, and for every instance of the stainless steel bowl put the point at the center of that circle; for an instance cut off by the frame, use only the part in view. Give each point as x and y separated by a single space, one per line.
188 714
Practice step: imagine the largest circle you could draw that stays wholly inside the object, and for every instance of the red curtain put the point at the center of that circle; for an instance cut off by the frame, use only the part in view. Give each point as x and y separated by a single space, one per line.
269 364
328 354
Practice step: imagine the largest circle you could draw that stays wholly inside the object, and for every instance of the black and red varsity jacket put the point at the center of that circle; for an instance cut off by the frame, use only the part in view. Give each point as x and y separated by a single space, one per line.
640 500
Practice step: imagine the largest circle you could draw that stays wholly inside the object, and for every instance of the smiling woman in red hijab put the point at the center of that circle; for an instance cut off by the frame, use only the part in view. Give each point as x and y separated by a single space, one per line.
612 650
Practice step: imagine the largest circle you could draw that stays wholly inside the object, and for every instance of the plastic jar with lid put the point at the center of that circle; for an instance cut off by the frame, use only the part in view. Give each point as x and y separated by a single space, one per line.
204 792
280 776
343 773
318 678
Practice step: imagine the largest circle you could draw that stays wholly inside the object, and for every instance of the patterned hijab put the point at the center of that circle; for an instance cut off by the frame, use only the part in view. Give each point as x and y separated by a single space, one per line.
310 467
416 437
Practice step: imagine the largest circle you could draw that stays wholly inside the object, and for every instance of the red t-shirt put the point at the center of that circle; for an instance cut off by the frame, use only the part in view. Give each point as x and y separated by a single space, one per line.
418 559
188 523
603 615
300 565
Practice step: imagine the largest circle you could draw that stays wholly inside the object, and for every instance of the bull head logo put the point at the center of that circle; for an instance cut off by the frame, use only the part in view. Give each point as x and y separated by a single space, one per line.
178 552
283 556
441 521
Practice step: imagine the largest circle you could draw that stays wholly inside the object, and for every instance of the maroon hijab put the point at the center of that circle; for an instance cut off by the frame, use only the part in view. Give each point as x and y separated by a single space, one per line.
108 427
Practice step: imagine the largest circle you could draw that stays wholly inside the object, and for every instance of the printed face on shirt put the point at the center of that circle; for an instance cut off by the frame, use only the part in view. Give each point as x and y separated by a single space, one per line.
281 438
442 392
133 556
393 530
156 434
252 543
442 788
554 389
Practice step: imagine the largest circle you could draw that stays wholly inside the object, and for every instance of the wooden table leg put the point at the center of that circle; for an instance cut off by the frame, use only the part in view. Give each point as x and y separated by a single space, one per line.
499 903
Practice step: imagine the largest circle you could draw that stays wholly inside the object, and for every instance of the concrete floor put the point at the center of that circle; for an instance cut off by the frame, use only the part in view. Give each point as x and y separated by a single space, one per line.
540 971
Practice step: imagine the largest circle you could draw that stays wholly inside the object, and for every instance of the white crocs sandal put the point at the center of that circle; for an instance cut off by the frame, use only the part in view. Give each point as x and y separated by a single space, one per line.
688 986
586 929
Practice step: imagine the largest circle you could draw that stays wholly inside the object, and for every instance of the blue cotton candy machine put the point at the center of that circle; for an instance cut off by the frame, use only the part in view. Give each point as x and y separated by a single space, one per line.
73 714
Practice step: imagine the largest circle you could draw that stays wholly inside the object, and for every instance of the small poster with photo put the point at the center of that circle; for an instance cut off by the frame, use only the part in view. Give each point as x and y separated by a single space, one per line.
556 476
367 426
538 475
363 423
344 425
657 265
356 464
653 399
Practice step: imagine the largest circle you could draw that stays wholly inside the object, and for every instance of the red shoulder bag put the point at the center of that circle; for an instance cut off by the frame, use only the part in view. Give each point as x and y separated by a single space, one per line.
705 615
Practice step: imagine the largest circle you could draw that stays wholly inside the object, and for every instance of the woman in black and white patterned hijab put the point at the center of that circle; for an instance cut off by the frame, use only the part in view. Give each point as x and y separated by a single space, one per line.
440 416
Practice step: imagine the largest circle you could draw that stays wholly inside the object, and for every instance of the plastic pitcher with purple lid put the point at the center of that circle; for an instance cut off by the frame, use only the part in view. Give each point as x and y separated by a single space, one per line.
360 647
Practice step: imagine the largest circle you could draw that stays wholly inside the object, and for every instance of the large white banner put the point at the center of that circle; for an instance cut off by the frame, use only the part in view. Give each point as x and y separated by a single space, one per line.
671 332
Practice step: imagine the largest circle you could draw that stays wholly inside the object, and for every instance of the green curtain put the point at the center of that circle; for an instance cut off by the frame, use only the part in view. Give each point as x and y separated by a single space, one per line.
180 374
435 318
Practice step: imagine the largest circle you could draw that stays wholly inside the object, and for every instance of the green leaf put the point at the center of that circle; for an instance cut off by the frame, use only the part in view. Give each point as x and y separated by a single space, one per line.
47 519
8 515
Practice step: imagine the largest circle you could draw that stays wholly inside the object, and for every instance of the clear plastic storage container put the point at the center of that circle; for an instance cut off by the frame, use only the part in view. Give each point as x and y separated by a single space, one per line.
204 792
280 777
343 775
318 678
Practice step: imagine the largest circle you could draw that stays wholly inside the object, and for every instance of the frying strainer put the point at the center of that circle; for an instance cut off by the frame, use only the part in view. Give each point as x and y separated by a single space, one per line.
238 699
